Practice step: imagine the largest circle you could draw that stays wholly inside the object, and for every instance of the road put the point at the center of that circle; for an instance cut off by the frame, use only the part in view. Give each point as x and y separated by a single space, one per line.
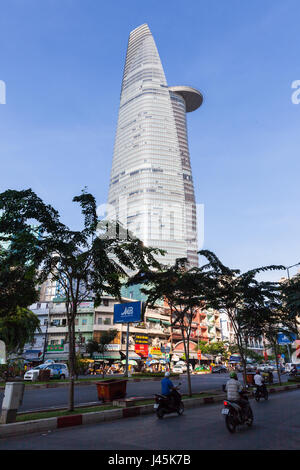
58 397
276 427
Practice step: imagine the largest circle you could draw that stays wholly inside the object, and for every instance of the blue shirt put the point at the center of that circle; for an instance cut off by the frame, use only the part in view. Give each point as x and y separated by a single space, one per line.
166 386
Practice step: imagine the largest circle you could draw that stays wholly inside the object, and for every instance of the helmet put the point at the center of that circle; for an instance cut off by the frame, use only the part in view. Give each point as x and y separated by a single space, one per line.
167 374
233 375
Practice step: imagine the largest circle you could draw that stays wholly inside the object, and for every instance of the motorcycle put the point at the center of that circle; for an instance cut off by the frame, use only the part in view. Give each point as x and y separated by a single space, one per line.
260 392
234 414
165 405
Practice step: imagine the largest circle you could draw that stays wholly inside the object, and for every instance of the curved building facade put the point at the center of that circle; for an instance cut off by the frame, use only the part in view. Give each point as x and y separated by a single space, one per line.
151 187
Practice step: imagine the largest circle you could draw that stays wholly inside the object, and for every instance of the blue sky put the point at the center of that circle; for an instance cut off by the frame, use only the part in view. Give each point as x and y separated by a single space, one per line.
62 62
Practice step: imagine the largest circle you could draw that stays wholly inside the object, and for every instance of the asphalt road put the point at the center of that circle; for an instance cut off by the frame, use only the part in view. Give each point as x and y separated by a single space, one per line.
34 400
276 427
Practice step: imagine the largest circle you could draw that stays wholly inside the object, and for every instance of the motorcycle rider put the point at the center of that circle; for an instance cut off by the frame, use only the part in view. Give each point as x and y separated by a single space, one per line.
259 382
294 369
168 389
233 388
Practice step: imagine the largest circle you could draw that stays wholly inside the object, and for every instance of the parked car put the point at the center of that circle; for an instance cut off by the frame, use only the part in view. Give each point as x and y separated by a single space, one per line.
177 369
183 365
219 370
263 367
57 370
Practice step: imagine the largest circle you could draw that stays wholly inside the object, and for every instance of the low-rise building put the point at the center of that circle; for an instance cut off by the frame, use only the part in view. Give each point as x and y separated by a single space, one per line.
34 351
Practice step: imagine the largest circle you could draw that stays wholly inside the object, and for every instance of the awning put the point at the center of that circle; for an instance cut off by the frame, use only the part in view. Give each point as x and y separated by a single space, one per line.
57 356
107 355
115 355
166 323
156 320
33 354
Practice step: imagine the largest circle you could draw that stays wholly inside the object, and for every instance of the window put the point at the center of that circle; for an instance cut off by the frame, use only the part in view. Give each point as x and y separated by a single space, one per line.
76 321
99 320
106 302
107 321
84 321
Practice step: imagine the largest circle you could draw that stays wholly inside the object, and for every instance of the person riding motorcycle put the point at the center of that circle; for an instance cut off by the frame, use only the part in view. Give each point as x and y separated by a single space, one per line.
259 382
168 389
233 388
293 370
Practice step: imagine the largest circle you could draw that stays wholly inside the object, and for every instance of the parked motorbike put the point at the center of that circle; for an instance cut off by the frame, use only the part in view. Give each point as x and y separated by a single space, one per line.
260 392
165 405
234 414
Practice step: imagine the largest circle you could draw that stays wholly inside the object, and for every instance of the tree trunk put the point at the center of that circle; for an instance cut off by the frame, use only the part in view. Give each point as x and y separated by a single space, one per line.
71 329
276 359
187 356
241 351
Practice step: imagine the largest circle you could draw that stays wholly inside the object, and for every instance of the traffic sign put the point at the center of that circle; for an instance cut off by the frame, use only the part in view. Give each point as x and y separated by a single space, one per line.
286 339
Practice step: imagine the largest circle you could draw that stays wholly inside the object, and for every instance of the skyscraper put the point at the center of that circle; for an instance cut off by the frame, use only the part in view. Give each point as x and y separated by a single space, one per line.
151 187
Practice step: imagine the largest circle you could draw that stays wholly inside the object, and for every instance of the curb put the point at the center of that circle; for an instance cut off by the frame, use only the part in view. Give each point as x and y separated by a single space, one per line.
49 424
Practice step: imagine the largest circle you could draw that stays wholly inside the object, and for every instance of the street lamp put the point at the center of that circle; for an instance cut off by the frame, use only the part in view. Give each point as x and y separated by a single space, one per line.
289 267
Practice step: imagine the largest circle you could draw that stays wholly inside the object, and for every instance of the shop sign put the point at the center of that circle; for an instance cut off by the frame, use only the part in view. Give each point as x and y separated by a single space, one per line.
113 347
55 347
141 349
141 339
85 307
155 351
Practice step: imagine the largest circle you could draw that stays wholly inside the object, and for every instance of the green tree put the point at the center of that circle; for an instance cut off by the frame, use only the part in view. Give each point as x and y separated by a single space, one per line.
291 297
92 347
84 263
240 296
179 287
18 289
17 328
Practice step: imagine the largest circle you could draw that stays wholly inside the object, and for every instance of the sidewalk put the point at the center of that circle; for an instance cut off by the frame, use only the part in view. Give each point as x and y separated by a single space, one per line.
49 424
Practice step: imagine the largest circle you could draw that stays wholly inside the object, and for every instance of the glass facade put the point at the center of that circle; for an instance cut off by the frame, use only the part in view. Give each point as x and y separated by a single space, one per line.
151 188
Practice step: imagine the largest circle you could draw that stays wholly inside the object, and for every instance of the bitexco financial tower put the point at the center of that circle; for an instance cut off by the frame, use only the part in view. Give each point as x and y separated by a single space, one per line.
151 187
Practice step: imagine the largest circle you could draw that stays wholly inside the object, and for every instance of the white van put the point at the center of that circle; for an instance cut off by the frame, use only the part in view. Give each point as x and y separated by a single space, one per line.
57 371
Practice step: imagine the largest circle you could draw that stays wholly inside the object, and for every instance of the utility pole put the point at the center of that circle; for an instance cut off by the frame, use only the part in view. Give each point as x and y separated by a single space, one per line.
127 343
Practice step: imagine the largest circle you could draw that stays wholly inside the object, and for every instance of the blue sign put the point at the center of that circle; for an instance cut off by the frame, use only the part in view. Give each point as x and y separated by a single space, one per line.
165 349
129 312
286 339
234 359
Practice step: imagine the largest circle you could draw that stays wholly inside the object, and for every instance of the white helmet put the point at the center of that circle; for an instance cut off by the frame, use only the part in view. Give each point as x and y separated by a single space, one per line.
167 374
